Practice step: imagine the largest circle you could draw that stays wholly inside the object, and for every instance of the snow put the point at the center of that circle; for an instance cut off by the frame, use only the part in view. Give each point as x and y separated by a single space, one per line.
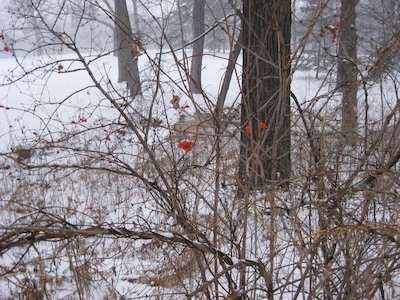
48 99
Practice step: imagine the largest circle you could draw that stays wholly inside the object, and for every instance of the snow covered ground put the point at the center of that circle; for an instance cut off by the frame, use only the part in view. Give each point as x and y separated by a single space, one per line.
50 98
53 100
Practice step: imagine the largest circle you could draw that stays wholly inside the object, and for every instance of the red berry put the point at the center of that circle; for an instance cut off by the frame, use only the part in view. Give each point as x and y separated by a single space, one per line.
262 125
185 145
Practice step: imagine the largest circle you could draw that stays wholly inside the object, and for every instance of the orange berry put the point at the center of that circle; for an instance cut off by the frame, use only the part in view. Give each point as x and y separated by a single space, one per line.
248 130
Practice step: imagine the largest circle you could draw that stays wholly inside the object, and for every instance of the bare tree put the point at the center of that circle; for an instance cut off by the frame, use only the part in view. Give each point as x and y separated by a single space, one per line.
198 46
347 70
128 49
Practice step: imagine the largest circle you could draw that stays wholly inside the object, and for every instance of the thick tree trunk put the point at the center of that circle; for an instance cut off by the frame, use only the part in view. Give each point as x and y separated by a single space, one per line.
265 116
198 46
347 69
128 70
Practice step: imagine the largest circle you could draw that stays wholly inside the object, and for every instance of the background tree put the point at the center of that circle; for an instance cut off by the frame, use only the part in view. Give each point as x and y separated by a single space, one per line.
198 45
347 70
128 49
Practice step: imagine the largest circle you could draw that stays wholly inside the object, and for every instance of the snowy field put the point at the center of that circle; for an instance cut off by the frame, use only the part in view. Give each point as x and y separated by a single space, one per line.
49 98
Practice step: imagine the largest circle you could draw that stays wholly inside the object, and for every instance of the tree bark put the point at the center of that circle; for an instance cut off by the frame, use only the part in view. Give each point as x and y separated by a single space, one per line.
198 46
128 70
347 69
265 114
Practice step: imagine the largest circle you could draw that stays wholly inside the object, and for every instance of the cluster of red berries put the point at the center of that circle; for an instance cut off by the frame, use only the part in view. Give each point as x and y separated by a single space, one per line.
248 130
